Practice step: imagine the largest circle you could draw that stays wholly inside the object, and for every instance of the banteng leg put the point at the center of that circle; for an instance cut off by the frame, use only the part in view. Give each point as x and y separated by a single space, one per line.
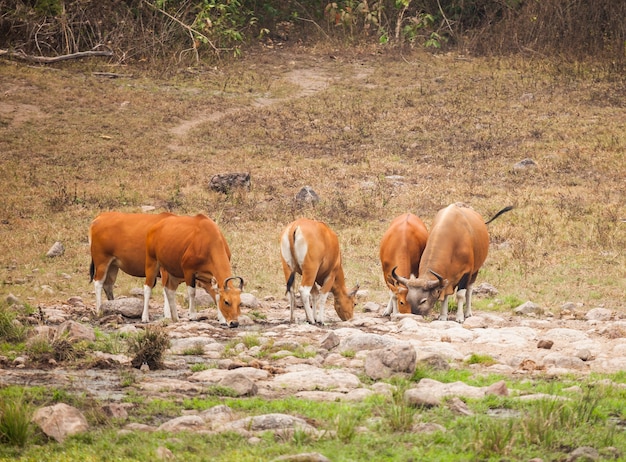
216 296
104 279
443 316
305 295
152 269
292 304
392 306
460 299
169 304
147 292
191 293
321 306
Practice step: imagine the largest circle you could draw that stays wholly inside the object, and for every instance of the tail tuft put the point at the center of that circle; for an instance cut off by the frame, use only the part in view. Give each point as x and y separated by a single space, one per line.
290 281
92 271
504 210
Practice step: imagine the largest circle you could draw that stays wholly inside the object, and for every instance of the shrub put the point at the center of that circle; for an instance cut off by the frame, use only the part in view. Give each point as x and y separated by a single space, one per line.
148 347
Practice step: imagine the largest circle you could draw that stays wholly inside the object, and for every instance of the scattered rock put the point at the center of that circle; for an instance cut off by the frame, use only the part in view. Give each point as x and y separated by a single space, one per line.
545 344
484 289
226 182
164 453
75 331
429 392
525 164
304 457
306 196
383 363
529 308
60 421
129 307
115 411
183 423
240 384
330 341
56 250
599 314
583 454
457 406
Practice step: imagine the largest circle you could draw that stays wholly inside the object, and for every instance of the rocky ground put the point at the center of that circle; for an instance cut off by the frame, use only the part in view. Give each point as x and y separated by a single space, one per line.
266 356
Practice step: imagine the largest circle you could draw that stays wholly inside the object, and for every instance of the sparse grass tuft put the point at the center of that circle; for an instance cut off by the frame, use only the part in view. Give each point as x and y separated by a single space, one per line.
485 360
15 426
398 414
11 330
149 347
196 350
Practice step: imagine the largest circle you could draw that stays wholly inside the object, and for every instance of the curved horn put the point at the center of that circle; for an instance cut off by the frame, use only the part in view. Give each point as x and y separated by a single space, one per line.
400 279
234 278
441 282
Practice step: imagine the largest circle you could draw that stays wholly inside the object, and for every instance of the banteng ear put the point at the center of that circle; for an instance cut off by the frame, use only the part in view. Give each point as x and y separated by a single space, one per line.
214 285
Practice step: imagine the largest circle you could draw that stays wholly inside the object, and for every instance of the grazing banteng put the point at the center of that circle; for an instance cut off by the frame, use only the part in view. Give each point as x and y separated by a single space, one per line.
117 241
456 249
401 248
192 250
311 248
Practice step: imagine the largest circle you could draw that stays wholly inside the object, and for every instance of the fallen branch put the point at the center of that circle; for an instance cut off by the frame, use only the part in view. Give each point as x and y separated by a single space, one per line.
111 75
53 59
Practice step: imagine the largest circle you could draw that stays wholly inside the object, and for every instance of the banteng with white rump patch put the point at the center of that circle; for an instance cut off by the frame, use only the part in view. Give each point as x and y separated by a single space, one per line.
401 249
456 249
192 250
311 248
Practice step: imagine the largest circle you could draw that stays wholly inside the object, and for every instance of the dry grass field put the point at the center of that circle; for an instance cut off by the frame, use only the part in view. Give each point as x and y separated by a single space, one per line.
374 134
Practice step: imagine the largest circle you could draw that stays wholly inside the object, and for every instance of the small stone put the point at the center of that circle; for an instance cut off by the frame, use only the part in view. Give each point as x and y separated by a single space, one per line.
56 250
545 344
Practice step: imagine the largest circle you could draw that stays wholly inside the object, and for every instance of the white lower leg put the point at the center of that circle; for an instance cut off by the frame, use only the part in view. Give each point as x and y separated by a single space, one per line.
167 311
468 299
305 295
220 317
292 306
460 300
170 296
392 306
444 309
321 306
147 291
98 288
191 293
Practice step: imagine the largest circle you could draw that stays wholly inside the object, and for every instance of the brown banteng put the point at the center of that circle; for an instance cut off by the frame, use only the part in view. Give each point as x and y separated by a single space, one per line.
117 241
311 248
401 248
456 249
192 250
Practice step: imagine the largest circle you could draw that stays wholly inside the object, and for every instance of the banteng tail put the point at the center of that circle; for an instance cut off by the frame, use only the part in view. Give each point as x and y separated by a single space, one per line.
92 271
504 210
292 278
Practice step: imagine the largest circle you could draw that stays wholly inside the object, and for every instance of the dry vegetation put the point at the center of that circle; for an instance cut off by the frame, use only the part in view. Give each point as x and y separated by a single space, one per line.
73 144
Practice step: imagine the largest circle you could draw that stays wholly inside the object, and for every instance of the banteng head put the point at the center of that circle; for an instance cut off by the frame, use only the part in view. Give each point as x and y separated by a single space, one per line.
345 303
228 299
421 293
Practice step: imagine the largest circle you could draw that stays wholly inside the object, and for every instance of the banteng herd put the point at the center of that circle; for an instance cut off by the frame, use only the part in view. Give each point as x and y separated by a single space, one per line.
419 267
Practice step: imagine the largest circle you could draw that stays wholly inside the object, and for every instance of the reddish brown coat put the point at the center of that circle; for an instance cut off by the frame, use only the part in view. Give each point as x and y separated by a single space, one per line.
117 241
401 248
457 247
311 248
193 250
